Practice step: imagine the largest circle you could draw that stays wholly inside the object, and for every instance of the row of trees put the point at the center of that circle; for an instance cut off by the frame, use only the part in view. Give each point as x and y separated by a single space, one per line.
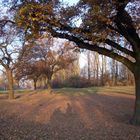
36 63
102 71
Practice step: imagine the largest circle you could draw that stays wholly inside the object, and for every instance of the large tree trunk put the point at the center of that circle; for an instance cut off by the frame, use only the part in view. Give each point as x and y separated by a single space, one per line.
136 116
10 83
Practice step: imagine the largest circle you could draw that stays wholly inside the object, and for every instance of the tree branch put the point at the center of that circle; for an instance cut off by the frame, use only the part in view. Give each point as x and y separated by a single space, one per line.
118 47
93 47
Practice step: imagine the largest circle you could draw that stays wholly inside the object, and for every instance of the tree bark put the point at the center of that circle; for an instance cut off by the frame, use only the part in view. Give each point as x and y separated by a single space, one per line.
10 83
136 116
49 86
35 84
88 59
102 71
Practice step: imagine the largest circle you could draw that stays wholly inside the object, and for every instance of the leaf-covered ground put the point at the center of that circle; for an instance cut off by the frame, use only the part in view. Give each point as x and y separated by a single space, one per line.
40 116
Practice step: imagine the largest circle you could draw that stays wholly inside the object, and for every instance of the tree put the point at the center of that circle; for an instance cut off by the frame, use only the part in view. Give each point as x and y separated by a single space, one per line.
45 59
8 52
103 70
61 78
28 71
89 71
100 21
114 72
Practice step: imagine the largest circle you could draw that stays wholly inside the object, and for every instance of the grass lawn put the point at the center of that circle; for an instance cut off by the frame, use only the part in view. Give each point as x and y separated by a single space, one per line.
96 90
83 91
16 91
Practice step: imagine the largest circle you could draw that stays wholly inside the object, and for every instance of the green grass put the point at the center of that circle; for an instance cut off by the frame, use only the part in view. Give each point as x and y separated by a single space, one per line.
23 91
129 90
96 90
3 92
16 91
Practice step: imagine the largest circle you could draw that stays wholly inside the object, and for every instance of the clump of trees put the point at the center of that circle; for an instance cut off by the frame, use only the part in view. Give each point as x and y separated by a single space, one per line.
44 59
103 71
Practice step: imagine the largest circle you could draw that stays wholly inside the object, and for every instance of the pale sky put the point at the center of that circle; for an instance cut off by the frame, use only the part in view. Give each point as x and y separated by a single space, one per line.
83 59
71 2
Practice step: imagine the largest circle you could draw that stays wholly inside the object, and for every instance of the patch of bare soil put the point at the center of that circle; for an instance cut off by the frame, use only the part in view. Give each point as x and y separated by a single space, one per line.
39 116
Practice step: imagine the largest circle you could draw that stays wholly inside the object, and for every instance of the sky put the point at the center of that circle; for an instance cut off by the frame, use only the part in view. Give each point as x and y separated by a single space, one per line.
83 59
70 2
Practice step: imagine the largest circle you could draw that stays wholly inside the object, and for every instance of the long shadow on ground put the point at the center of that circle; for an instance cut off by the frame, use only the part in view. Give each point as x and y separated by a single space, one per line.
59 117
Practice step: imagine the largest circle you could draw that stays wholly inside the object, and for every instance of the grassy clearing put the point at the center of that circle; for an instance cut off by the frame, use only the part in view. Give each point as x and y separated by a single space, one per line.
129 90
3 92
16 91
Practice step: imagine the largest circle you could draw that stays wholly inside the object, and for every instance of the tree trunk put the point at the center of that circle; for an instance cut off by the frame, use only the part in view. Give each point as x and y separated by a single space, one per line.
136 116
113 72
10 83
97 68
35 84
88 58
43 84
49 86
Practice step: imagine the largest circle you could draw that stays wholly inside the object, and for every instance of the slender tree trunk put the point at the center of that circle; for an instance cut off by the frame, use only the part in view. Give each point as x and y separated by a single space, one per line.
136 116
97 74
35 81
97 68
10 83
88 57
113 72
103 70
116 73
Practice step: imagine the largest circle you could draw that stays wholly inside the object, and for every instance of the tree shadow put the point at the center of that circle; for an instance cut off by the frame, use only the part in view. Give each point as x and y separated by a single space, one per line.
76 91
17 96
58 113
4 96
62 125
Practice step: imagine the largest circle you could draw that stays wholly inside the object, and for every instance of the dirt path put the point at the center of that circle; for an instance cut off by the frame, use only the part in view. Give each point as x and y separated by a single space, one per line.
59 117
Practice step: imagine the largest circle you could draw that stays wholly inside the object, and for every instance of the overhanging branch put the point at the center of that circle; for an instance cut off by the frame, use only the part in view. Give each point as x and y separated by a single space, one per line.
118 47
94 47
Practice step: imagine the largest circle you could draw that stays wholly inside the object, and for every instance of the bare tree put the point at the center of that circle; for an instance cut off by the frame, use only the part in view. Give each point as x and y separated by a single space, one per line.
8 53
44 58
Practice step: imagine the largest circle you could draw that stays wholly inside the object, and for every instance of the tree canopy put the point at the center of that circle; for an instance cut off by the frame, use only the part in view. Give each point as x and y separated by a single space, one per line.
101 23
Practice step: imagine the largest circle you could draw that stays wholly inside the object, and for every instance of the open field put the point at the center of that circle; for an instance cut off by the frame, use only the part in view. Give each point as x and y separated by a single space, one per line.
69 114
129 90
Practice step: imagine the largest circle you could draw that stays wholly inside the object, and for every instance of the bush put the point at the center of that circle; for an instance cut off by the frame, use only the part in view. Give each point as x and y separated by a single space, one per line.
73 81
77 82
57 84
